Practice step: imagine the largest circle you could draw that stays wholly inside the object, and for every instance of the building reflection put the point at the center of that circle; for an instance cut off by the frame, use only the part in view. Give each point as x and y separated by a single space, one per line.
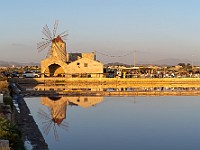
57 106
85 102
63 89
69 87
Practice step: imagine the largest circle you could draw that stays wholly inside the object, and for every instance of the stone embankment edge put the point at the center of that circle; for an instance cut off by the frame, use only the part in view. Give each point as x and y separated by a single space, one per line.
25 121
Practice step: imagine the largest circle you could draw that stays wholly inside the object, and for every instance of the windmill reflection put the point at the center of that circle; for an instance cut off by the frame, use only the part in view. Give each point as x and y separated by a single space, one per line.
57 107
57 113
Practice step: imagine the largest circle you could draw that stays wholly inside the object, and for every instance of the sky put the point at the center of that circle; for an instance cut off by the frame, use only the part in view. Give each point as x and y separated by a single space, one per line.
155 29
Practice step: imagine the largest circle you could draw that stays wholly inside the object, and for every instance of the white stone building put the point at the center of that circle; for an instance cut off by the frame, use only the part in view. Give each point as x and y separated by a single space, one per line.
63 64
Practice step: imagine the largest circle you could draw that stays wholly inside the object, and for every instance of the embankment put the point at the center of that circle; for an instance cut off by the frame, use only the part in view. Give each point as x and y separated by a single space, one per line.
97 86
26 123
114 82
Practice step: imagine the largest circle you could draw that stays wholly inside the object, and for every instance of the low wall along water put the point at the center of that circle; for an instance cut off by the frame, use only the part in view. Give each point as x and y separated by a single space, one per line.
100 86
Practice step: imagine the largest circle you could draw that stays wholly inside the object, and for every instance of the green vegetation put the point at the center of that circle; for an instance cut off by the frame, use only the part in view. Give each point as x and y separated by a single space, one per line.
7 100
10 132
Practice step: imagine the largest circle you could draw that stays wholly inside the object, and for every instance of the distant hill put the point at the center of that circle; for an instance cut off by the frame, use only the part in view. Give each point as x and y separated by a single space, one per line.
161 62
116 64
11 63
168 62
171 61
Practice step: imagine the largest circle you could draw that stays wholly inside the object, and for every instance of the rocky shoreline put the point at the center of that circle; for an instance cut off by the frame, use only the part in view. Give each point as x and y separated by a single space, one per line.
26 123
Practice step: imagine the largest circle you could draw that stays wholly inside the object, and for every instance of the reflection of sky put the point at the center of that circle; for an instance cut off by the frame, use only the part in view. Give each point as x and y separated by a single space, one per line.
129 123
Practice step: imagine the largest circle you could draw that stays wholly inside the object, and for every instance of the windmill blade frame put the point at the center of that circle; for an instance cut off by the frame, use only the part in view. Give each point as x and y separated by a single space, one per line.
48 121
65 36
50 38
46 39
42 45
49 53
55 28
64 125
55 132
43 115
47 32
63 33
47 127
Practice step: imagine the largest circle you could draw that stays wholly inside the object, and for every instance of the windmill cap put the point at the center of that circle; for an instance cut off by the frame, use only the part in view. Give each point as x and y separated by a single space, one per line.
58 39
58 120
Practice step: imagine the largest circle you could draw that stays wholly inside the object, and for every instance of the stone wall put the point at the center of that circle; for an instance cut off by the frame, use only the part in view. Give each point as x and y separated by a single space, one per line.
85 65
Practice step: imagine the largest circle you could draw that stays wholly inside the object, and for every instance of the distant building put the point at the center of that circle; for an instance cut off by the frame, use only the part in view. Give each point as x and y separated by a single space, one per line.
60 63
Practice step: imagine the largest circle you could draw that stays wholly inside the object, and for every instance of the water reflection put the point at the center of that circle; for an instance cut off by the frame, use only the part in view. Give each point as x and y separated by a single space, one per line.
54 118
57 106
105 88
85 87
146 89
153 123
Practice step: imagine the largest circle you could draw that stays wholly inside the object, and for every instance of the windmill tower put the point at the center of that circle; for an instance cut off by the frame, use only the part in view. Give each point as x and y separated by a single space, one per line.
58 46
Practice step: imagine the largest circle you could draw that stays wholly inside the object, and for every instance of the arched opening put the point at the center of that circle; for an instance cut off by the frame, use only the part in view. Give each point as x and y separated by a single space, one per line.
54 98
54 70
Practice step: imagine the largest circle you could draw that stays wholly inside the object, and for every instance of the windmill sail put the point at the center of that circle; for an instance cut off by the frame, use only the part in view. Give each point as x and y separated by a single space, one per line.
58 46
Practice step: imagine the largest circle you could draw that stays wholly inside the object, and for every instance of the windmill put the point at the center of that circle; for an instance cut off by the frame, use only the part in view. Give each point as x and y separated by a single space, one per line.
56 44
54 118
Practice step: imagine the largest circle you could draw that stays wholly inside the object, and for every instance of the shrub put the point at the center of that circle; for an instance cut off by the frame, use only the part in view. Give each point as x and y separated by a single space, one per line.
10 132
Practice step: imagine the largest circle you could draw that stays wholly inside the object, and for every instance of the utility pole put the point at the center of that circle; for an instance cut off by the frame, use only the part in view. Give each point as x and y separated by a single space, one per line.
134 58
192 61
95 56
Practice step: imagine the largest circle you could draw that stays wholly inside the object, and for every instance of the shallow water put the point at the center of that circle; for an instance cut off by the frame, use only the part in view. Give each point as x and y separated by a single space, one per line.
116 123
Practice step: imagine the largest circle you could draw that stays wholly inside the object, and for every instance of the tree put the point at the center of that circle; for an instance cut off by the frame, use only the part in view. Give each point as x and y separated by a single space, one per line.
182 64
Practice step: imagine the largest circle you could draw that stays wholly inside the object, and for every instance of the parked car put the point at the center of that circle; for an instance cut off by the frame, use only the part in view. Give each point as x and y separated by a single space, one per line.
15 74
30 74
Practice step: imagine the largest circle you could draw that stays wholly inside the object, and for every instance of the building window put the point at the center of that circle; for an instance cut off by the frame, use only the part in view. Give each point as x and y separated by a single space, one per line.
74 75
85 65
85 99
